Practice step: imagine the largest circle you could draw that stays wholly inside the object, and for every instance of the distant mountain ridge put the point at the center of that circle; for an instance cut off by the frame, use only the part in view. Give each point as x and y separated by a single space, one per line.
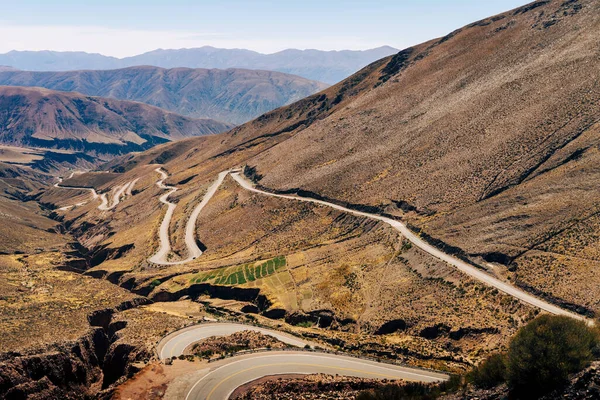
323 66
233 96
98 126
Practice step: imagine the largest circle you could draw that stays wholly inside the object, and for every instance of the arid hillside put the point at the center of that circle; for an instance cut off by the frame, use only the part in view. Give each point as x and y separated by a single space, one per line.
484 142
232 96
490 135
24 228
486 139
44 118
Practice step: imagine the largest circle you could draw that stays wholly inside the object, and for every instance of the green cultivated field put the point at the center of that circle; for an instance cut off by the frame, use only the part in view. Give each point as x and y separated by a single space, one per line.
240 274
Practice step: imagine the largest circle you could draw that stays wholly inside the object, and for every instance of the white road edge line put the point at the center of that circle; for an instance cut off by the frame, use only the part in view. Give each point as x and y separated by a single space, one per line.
406 370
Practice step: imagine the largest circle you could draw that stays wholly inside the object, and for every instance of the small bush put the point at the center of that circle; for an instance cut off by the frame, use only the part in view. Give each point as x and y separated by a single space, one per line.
540 358
489 373
155 283
544 352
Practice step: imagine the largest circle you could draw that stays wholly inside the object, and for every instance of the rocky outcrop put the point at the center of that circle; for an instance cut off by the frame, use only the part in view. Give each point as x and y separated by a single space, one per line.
244 340
320 318
318 386
70 370
433 332
73 370
391 327
275 313
250 295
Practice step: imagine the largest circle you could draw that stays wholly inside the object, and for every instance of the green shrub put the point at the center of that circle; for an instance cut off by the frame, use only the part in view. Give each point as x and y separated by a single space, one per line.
490 373
155 283
544 352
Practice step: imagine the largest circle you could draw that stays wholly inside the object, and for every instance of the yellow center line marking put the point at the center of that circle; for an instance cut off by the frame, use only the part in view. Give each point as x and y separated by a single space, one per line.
175 345
298 364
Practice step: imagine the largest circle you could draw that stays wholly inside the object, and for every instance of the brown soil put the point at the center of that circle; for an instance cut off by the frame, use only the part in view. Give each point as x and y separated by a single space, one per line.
151 383
309 387
245 340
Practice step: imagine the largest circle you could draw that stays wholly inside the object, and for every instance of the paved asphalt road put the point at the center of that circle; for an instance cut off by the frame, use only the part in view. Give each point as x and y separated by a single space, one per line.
420 243
173 345
227 375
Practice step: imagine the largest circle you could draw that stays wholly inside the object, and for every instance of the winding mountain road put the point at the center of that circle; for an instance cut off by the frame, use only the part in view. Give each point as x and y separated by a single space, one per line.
462 266
92 191
163 233
175 343
160 257
225 376
466 268
120 192
222 380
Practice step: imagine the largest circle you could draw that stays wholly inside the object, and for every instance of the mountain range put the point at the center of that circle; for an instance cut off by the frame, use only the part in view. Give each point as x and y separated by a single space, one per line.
233 96
421 211
323 66
44 118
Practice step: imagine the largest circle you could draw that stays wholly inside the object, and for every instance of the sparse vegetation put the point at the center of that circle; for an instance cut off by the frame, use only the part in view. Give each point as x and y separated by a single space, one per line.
411 391
540 357
543 354
407 245
155 283
241 274
491 372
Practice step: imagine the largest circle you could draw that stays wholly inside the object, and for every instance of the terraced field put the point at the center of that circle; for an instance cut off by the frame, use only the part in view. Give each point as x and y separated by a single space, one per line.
241 274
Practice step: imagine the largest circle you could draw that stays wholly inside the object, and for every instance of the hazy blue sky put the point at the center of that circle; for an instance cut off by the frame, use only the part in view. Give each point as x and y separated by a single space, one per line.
127 27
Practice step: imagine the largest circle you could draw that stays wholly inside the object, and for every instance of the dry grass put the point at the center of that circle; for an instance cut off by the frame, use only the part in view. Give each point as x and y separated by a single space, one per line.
19 155
41 304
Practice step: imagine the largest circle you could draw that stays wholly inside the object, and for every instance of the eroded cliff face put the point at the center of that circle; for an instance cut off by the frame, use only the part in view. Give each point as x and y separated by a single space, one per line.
85 368
68 370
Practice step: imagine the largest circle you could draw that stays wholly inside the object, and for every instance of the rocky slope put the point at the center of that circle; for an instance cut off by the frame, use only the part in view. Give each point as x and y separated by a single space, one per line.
24 226
439 132
490 135
101 127
233 96
486 140
221 345
318 386
474 147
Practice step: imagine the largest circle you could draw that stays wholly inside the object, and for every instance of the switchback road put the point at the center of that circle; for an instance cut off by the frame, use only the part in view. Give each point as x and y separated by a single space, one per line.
229 374
190 229
175 343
